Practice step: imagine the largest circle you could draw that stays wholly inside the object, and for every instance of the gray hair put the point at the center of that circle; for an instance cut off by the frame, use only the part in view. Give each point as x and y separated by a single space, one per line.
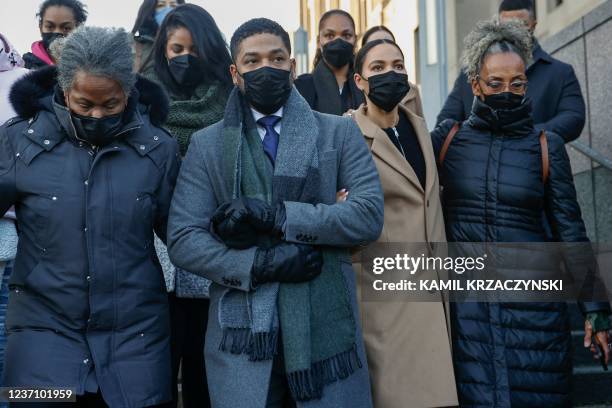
490 37
104 52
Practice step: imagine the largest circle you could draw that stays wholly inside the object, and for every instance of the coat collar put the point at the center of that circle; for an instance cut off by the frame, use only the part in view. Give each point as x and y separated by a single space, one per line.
37 95
540 55
328 95
411 95
383 148
31 94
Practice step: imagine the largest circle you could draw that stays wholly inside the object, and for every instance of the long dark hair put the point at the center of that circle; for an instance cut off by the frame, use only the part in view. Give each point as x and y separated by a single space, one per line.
146 17
335 12
207 38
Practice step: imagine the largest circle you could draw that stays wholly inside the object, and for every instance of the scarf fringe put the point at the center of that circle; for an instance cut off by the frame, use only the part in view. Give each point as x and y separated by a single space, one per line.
306 385
259 346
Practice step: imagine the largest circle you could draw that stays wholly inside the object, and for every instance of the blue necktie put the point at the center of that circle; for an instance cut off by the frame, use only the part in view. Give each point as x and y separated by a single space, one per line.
270 141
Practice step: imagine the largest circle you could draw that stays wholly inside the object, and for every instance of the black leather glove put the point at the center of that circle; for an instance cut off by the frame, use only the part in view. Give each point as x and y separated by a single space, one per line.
287 263
237 223
237 235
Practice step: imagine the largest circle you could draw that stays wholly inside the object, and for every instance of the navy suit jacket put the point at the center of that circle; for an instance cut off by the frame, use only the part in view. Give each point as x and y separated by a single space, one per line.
558 105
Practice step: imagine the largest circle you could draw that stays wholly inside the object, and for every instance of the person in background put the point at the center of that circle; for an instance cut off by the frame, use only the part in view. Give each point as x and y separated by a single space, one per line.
255 211
331 88
56 18
91 174
558 105
191 62
412 101
407 343
150 16
501 176
11 69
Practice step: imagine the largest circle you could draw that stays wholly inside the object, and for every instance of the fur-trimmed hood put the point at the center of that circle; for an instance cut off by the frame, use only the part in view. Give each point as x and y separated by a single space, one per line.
30 94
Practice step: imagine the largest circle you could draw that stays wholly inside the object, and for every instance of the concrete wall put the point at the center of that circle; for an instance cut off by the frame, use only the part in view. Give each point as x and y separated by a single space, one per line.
586 45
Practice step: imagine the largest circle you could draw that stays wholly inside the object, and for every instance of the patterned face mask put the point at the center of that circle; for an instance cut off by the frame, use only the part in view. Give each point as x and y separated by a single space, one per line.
9 57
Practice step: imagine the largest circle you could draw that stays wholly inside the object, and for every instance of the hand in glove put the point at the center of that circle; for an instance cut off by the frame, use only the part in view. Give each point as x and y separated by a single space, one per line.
287 263
237 223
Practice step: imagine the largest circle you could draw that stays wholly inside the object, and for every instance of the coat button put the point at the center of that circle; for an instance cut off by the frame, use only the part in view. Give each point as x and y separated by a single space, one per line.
46 142
86 361
88 278
142 147
30 131
86 182
156 138
54 198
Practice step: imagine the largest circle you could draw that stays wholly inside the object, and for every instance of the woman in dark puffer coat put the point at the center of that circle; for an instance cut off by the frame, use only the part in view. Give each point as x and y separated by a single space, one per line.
509 354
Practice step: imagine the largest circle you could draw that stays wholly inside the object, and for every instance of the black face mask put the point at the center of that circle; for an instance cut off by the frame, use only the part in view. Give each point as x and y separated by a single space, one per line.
186 70
267 89
387 90
504 101
338 53
97 132
48 38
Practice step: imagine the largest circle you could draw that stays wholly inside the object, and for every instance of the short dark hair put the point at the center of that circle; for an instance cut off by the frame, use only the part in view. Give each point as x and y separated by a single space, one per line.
258 26
78 9
363 53
373 30
208 41
513 5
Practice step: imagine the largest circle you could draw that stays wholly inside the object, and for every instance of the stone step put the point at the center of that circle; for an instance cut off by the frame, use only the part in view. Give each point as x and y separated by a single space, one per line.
592 386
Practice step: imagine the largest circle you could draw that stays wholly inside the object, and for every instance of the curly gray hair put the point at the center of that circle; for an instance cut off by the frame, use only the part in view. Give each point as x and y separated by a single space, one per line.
491 37
99 51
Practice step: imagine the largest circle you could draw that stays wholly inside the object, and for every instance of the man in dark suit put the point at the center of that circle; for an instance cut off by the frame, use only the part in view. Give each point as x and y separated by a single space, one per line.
558 105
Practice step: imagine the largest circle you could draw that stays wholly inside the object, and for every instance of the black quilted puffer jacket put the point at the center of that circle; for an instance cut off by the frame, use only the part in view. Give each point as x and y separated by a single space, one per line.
509 354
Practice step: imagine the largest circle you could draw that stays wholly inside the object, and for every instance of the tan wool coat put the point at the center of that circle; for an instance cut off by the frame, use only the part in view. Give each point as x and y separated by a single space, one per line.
407 343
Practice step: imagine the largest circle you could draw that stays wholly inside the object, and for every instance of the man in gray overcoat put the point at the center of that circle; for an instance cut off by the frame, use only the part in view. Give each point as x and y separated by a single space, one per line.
255 212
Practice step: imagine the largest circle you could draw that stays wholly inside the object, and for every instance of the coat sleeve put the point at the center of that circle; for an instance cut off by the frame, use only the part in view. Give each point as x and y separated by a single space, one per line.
8 187
357 221
453 107
191 245
565 218
165 190
569 119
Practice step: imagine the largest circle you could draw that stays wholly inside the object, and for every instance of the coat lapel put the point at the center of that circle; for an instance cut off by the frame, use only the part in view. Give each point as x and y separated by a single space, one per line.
384 148
326 87
420 128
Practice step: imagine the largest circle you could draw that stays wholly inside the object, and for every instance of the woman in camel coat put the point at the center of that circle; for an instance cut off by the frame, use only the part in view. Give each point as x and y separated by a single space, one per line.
407 343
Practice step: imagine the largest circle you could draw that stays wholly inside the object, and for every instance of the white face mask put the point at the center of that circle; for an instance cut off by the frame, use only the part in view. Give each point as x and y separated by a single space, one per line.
9 57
